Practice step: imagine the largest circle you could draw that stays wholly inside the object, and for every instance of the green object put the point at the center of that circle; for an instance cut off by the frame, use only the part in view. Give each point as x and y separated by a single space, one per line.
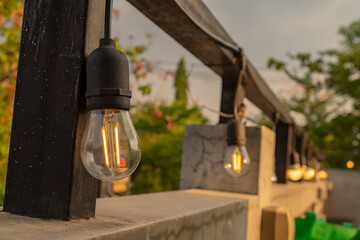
311 228
180 84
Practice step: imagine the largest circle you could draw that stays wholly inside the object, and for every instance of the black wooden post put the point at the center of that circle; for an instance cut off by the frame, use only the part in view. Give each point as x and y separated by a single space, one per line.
283 148
304 144
310 152
230 82
227 98
45 177
299 144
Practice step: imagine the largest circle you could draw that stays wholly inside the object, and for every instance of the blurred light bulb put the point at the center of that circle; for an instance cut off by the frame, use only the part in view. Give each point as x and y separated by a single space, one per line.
310 173
323 175
350 164
304 168
273 177
110 148
236 161
295 172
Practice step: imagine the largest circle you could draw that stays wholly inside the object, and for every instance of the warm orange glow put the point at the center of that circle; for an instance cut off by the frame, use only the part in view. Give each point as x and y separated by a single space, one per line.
350 164
236 160
295 174
239 162
118 162
309 174
303 169
105 146
323 175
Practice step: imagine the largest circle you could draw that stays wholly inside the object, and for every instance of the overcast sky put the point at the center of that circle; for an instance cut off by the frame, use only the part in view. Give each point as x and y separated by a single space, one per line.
263 28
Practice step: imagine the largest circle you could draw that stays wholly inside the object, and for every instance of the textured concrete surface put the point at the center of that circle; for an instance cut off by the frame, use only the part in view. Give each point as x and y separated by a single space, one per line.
343 202
202 167
193 214
253 210
203 154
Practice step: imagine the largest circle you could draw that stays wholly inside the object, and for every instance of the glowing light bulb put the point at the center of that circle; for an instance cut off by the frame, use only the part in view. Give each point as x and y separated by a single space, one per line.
323 175
110 148
237 161
310 173
350 164
304 168
295 173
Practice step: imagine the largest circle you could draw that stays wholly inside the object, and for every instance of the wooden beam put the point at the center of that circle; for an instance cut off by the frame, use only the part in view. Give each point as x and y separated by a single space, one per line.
45 177
259 93
184 21
194 27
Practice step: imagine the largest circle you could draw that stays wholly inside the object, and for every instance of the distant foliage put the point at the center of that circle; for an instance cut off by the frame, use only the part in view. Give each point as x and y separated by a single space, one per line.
327 82
161 129
140 67
10 28
180 84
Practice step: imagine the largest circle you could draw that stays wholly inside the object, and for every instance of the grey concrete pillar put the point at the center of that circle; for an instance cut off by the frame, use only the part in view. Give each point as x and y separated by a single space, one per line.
204 151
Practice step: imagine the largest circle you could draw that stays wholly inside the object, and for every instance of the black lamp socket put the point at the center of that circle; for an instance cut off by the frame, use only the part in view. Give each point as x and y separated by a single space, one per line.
107 73
236 134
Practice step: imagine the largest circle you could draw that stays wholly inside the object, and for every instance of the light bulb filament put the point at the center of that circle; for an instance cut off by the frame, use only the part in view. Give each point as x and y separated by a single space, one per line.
118 162
105 146
236 157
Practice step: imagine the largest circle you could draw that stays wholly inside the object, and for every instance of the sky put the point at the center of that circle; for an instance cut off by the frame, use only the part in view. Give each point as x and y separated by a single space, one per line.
262 28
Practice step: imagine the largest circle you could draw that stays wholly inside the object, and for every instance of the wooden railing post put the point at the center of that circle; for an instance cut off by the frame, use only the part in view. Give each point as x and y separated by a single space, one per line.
283 148
45 177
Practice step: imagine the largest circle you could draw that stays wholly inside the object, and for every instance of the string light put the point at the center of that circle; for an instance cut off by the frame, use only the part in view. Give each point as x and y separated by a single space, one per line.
110 147
350 164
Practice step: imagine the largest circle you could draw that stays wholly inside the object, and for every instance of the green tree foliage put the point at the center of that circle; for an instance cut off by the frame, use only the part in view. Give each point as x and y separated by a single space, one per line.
328 81
161 130
140 67
180 84
10 26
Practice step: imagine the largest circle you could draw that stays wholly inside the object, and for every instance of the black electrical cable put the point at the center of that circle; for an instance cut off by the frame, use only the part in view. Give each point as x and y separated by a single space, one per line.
107 28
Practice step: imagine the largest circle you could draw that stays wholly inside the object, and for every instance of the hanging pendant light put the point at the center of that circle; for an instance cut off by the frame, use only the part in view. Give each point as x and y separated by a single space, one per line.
110 148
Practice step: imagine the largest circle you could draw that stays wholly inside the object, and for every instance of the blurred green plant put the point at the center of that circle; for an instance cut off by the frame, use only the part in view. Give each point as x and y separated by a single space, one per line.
10 30
180 84
140 67
161 129
326 83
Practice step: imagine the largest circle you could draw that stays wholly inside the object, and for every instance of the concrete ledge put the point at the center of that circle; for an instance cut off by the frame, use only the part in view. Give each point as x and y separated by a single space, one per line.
192 214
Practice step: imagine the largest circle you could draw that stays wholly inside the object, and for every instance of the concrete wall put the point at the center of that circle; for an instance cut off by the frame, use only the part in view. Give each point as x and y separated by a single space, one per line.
202 167
343 203
204 151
